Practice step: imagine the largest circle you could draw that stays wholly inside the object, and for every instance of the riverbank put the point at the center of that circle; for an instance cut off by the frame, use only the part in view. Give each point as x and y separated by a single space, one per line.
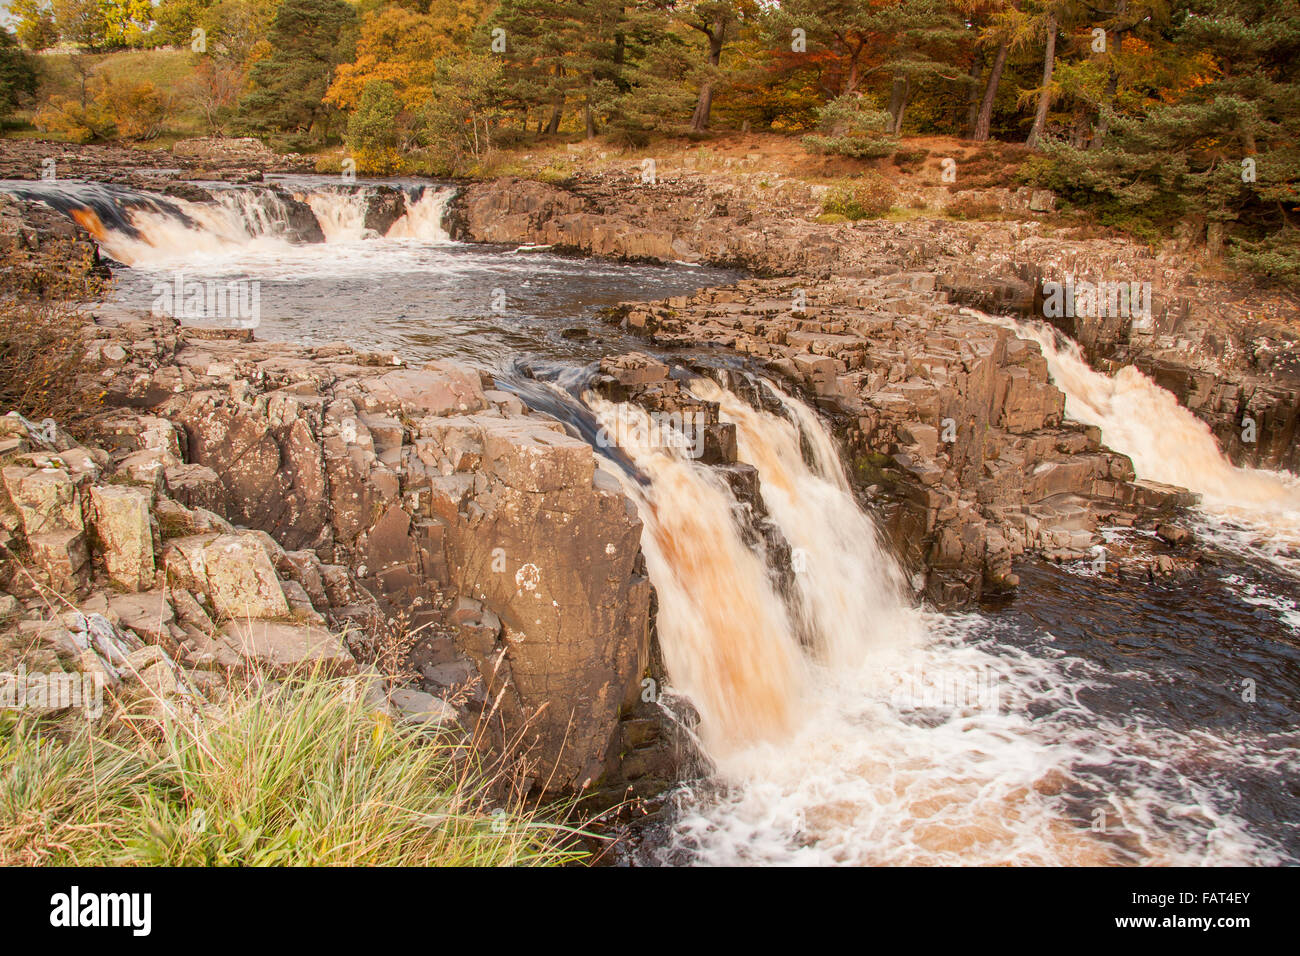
243 505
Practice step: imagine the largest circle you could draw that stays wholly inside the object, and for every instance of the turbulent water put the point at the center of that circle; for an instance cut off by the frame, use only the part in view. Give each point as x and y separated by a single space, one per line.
411 290
1252 511
848 726
1087 721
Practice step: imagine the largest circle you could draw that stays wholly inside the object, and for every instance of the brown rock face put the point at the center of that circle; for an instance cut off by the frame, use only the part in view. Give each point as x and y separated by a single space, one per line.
950 420
489 529
1229 351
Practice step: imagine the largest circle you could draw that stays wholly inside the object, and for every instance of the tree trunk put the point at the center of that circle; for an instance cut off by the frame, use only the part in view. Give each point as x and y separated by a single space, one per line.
1214 239
972 93
1045 97
553 124
898 94
854 76
704 105
985 119
1112 81
1103 120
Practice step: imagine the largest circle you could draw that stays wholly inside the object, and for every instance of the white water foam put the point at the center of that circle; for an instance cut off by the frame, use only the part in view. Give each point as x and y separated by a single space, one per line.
828 753
1250 512
246 229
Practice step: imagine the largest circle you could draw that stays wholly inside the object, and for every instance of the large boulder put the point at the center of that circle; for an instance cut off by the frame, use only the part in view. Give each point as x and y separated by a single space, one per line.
124 528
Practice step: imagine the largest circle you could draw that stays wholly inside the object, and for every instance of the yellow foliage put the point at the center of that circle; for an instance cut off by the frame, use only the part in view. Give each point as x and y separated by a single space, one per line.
402 47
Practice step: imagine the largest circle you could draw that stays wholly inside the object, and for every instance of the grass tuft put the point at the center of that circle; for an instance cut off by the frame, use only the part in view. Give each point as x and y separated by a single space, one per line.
285 775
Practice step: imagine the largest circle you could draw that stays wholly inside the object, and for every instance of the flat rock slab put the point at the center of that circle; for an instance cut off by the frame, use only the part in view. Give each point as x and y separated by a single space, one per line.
285 648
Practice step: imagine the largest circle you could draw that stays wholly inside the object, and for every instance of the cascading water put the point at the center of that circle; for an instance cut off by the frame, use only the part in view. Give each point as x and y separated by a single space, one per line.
1248 510
846 725
423 217
144 230
341 212
888 735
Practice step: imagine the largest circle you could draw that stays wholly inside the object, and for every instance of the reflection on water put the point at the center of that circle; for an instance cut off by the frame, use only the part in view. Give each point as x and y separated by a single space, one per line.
436 300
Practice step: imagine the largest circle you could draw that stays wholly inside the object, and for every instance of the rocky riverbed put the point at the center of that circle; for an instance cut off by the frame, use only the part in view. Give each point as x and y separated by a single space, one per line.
248 506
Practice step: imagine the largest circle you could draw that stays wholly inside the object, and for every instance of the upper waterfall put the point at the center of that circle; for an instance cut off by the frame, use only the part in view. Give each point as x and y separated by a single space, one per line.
149 230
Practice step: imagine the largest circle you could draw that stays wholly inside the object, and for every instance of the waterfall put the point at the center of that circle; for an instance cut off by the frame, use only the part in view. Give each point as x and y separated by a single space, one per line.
341 212
423 217
1250 510
847 725
151 231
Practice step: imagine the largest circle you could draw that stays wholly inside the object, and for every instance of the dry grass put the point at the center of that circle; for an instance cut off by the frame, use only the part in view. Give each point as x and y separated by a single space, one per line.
298 774
43 361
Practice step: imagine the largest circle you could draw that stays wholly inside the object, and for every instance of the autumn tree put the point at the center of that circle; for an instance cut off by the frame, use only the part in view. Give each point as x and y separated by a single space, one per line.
308 40
81 22
35 26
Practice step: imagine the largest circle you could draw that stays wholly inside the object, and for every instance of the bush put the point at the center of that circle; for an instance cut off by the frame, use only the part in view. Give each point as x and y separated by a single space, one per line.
1276 257
137 110
851 126
305 775
870 197
69 120
969 207
121 109
910 160
42 356
372 134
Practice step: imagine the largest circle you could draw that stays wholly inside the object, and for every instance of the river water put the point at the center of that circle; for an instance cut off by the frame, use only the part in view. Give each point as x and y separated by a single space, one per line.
1082 721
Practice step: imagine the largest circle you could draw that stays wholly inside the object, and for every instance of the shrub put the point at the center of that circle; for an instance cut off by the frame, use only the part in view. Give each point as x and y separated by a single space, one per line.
850 126
372 126
910 160
137 110
42 359
69 120
970 207
121 109
870 197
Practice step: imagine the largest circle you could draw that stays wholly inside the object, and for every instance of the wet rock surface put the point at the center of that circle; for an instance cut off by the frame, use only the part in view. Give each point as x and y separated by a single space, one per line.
1229 350
950 423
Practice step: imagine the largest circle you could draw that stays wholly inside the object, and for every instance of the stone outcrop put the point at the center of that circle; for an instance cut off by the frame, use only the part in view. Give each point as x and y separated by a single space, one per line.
1228 350
43 253
949 421
235 160
281 488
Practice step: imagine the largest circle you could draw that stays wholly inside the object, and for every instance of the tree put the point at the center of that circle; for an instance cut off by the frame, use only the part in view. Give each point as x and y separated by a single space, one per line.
214 88
126 22
1046 22
17 75
1003 25
81 22
234 27
402 46
373 134
850 42
175 20
717 21
35 29
308 40
1215 143
464 110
